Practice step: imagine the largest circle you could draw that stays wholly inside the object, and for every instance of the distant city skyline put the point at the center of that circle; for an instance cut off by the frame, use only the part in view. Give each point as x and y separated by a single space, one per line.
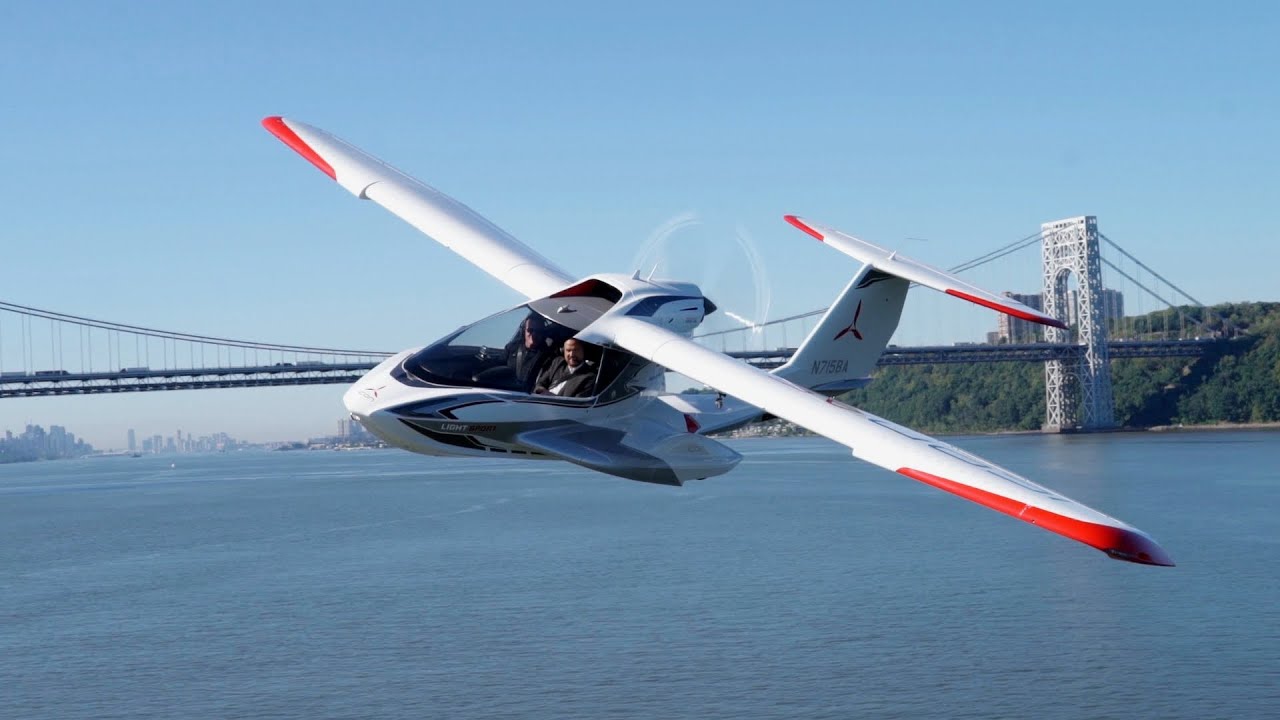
177 443
35 443
59 441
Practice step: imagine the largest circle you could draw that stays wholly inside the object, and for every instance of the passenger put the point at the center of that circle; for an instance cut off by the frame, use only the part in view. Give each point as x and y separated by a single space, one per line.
527 355
570 375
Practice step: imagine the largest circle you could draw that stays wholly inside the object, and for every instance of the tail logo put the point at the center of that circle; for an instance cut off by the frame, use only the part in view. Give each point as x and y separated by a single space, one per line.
853 326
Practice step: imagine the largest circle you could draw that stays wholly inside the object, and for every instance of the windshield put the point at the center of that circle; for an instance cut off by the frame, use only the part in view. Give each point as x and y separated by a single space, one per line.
524 351
505 351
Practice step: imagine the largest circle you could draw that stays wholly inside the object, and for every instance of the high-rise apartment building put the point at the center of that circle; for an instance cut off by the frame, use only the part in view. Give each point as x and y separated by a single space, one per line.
1010 329
1112 307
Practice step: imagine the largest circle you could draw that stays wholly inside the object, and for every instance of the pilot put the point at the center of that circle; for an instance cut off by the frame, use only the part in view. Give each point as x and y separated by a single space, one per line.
571 374
527 355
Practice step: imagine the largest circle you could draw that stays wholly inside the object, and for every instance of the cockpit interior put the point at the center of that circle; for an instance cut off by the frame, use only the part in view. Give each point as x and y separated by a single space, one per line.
510 350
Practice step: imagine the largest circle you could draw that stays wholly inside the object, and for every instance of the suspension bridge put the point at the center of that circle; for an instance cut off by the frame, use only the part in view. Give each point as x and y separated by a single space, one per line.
1085 278
47 353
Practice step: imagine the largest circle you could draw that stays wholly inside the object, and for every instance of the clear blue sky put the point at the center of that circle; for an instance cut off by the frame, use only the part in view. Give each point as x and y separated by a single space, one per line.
140 188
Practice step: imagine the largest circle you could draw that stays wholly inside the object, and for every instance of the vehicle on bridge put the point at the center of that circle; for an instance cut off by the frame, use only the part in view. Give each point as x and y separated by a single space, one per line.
577 372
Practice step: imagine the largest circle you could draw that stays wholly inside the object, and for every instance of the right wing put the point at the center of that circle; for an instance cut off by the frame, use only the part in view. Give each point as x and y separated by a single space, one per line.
439 216
881 442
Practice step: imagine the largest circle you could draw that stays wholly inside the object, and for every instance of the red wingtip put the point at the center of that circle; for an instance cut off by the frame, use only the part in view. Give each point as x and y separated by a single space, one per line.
1117 543
800 224
275 125
1043 320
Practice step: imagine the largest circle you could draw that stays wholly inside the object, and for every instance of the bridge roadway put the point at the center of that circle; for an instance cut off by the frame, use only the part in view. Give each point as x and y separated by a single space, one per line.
60 382
1031 352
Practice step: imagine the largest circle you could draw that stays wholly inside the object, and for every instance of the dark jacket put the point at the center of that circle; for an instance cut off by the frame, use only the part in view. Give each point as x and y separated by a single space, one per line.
525 363
577 384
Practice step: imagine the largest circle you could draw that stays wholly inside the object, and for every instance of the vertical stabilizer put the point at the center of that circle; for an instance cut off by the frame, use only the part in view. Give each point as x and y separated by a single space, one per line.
844 347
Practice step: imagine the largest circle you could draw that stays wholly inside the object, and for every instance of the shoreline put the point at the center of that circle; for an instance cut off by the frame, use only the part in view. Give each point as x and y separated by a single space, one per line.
1208 427
1215 427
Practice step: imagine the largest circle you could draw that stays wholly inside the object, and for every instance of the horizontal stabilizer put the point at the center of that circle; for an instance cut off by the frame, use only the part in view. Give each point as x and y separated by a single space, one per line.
920 273
842 386
713 412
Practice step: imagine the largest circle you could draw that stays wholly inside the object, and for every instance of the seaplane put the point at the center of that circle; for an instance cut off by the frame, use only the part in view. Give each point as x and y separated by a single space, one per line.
577 373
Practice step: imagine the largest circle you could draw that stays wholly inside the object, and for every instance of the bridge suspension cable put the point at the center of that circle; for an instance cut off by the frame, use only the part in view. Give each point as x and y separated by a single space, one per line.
30 312
1142 265
1181 315
998 253
87 355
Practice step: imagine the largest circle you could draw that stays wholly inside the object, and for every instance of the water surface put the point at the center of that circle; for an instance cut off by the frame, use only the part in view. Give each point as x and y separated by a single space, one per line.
803 584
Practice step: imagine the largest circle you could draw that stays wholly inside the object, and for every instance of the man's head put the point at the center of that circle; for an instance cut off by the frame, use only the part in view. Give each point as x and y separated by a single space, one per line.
574 353
532 333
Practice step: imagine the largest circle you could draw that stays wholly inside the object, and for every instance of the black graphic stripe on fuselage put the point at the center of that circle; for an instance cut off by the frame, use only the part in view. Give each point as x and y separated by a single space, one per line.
466 442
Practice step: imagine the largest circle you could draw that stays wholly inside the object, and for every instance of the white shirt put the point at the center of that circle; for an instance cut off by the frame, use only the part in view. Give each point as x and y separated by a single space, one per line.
560 385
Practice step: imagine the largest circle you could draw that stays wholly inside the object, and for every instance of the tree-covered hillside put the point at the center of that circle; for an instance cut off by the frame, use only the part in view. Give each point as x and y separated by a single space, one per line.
1238 382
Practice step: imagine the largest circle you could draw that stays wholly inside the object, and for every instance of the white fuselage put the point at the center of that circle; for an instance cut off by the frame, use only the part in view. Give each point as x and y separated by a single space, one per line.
470 421
464 396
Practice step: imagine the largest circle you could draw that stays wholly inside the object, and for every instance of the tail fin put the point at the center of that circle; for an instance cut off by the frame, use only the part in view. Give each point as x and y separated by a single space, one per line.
843 348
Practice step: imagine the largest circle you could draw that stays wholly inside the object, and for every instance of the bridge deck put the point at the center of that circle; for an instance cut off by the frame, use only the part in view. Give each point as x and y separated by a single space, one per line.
60 382
1032 352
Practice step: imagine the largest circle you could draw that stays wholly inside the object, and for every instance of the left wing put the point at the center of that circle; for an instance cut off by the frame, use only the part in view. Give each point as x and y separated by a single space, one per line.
883 443
439 216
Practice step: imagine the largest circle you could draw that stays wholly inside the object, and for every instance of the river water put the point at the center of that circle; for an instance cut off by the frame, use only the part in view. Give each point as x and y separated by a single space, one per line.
803 584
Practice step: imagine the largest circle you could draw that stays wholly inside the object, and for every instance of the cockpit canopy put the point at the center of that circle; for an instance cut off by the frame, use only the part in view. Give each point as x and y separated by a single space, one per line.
509 350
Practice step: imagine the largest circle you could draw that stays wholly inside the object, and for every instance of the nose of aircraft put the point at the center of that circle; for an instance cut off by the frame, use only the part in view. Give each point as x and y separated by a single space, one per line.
372 391
355 402
361 401
371 394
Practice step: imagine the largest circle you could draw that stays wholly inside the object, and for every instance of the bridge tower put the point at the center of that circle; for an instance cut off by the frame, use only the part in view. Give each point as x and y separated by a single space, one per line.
1077 392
